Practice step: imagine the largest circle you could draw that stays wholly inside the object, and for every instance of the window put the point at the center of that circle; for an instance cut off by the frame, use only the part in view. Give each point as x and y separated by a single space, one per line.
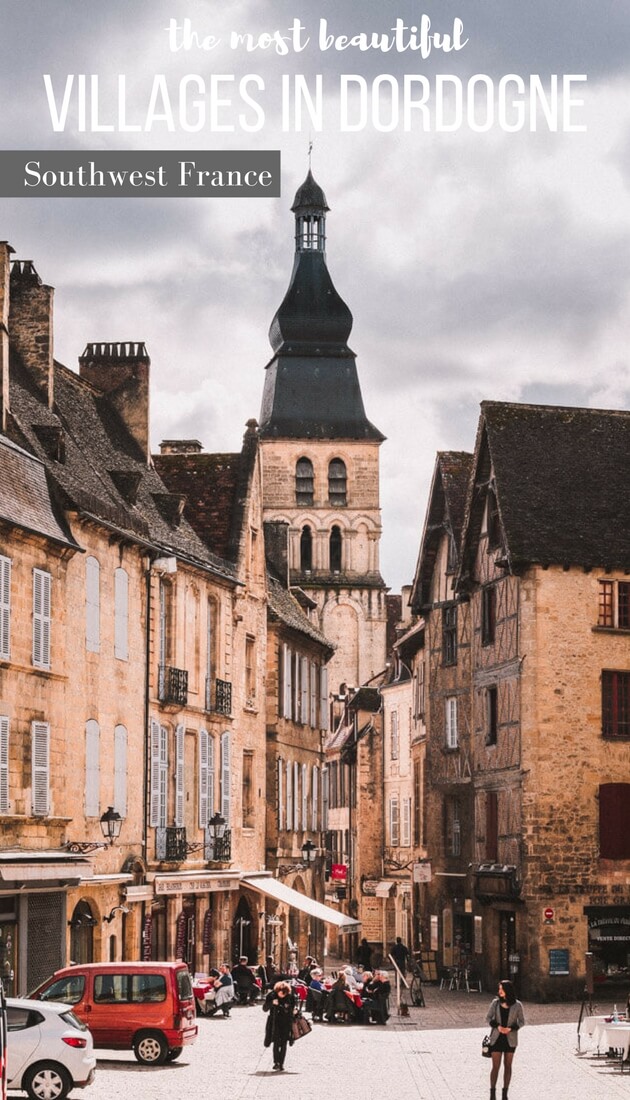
394 822
289 773
394 740
280 794
166 625
41 618
449 634
614 821
304 690
306 549
323 699
313 697
120 770
332 778
92 605
121 615
614 605
287 682
210 619
296 796
69 990
492 826
335 549
40 777
417 804
492 714
453 828
206 777
488 614
92 769
419 692
5 608
180 734
315 800
248 790
226 776
405 838
615 704
304 481
159 775
337 483
4 764
304 797
452 740
250 671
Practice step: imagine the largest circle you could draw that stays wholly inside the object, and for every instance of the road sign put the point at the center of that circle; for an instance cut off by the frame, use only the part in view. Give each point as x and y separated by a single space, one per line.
549 913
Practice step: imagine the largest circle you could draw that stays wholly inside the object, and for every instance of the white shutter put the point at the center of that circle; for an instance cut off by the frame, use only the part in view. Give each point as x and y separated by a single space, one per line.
202 777
4 764
406 823
92 768
225 776
451 722
304 691
163 784
121 615
288 682
315 800
296 796
211 777
92 605
304 797
40 735
179 776
5 608
394 823
313 702
280 794
120 770
295 701
325 797
323 699
289 796
41 618
154 808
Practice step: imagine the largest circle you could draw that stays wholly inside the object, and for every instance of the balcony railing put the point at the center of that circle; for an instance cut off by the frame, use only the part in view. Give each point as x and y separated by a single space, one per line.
219 700
170 844
218 850
172 685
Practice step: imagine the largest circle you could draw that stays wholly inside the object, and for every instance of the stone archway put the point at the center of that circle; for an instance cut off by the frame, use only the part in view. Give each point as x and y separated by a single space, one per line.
244 932
82 925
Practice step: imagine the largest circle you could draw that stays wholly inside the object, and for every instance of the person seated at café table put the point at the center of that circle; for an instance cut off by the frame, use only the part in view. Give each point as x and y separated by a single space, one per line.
304 974
268 973
317 979
340 1003
244 982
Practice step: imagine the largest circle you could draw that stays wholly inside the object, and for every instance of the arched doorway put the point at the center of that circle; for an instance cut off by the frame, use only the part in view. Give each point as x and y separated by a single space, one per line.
82 925
243 932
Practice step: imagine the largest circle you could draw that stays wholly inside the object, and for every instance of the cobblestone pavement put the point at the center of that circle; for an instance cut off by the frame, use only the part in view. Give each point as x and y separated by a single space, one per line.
434 1055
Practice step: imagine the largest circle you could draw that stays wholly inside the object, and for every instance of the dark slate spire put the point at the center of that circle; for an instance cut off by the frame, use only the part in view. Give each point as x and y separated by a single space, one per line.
312 387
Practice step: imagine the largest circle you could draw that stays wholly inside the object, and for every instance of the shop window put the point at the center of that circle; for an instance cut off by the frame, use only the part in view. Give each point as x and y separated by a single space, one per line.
337 483
614 605
304 481
449 634
488 614
614 821
615 704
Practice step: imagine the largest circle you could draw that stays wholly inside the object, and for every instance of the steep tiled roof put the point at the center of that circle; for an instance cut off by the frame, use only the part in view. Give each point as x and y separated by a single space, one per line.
209 482
445 513
562 483
25 498
284 607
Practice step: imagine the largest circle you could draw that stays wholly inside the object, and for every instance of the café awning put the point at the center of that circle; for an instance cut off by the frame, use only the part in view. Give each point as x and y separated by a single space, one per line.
277 890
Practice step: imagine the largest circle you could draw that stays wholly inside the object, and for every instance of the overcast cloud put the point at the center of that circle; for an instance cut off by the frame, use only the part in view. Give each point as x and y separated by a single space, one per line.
476 265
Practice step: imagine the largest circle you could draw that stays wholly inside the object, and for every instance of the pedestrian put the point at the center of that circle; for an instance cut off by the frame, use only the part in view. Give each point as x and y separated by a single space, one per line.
225 990
400 955
268 974
364 955
281 1005
505 1017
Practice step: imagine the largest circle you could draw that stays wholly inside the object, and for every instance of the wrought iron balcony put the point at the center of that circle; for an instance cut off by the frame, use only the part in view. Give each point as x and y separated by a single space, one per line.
170 844
172 685
218 849
219 701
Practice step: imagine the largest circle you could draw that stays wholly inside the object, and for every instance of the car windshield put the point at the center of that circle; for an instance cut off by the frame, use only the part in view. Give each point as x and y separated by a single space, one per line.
72 1020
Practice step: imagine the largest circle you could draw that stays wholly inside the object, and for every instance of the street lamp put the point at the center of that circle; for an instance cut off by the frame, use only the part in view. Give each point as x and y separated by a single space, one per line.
110 823
216 827
308 851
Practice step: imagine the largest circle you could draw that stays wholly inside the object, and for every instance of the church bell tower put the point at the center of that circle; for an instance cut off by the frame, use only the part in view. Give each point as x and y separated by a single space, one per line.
320 455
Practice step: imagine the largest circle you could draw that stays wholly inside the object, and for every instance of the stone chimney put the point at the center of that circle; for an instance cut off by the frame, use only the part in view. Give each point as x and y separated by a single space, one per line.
5 270
121 372
31 325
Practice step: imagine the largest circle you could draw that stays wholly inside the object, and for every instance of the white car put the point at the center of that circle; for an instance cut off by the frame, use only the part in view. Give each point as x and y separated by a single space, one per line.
49 1050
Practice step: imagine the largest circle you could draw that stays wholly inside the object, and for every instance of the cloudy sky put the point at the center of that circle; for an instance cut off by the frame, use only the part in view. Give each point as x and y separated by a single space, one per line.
477 265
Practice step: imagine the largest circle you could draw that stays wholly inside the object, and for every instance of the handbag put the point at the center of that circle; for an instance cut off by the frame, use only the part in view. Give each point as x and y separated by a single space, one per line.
299 1027
486 1047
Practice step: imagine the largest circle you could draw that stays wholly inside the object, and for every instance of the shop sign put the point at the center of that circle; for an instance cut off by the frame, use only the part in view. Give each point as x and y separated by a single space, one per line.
422 872
339 872
559 960
202 885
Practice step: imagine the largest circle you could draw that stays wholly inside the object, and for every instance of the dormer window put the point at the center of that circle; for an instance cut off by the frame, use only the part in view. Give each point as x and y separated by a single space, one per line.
304 481
337 483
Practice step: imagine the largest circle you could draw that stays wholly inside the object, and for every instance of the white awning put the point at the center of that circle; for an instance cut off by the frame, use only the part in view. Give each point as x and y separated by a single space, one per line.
273 888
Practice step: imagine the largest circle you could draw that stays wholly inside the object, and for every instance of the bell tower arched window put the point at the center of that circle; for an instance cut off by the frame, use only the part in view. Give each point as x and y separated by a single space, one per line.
306 549
337 483
335 550
304 481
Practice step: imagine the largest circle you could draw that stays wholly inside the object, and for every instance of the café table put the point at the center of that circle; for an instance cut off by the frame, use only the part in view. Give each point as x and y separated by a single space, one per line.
616 1036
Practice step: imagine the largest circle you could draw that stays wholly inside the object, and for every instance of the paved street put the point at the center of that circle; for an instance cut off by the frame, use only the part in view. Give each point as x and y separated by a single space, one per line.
435 1055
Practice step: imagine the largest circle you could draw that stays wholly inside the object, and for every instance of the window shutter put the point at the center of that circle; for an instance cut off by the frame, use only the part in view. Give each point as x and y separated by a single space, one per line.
163 786
179 777
288 687
92 768
211 777
394 822
280 794
121 615
304 797
315 800
296 796
323 699
289 796
614 821
325 798
225 776
4 764
40 733
41 618
92 605
120 770
202 765
406 823
304 705
451 722
154 809
313 701
5 608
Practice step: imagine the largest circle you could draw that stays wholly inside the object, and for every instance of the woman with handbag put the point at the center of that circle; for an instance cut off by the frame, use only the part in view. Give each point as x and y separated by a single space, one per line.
506 1018
281 1005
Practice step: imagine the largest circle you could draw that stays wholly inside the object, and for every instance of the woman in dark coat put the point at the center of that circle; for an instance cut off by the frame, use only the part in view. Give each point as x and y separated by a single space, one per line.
506 1018
281 1005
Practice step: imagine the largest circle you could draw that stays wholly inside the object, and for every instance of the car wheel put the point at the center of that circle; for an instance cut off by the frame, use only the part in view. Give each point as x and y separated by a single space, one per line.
150 1048
47 1081
173 1054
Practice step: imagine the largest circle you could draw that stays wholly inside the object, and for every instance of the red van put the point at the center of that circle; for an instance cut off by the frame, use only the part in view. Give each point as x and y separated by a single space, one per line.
145 1007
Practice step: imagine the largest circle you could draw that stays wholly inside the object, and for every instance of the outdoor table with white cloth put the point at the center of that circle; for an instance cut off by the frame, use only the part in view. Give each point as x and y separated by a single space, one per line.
608 1034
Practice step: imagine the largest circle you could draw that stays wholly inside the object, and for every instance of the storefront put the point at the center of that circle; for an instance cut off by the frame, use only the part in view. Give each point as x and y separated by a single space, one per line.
609 942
